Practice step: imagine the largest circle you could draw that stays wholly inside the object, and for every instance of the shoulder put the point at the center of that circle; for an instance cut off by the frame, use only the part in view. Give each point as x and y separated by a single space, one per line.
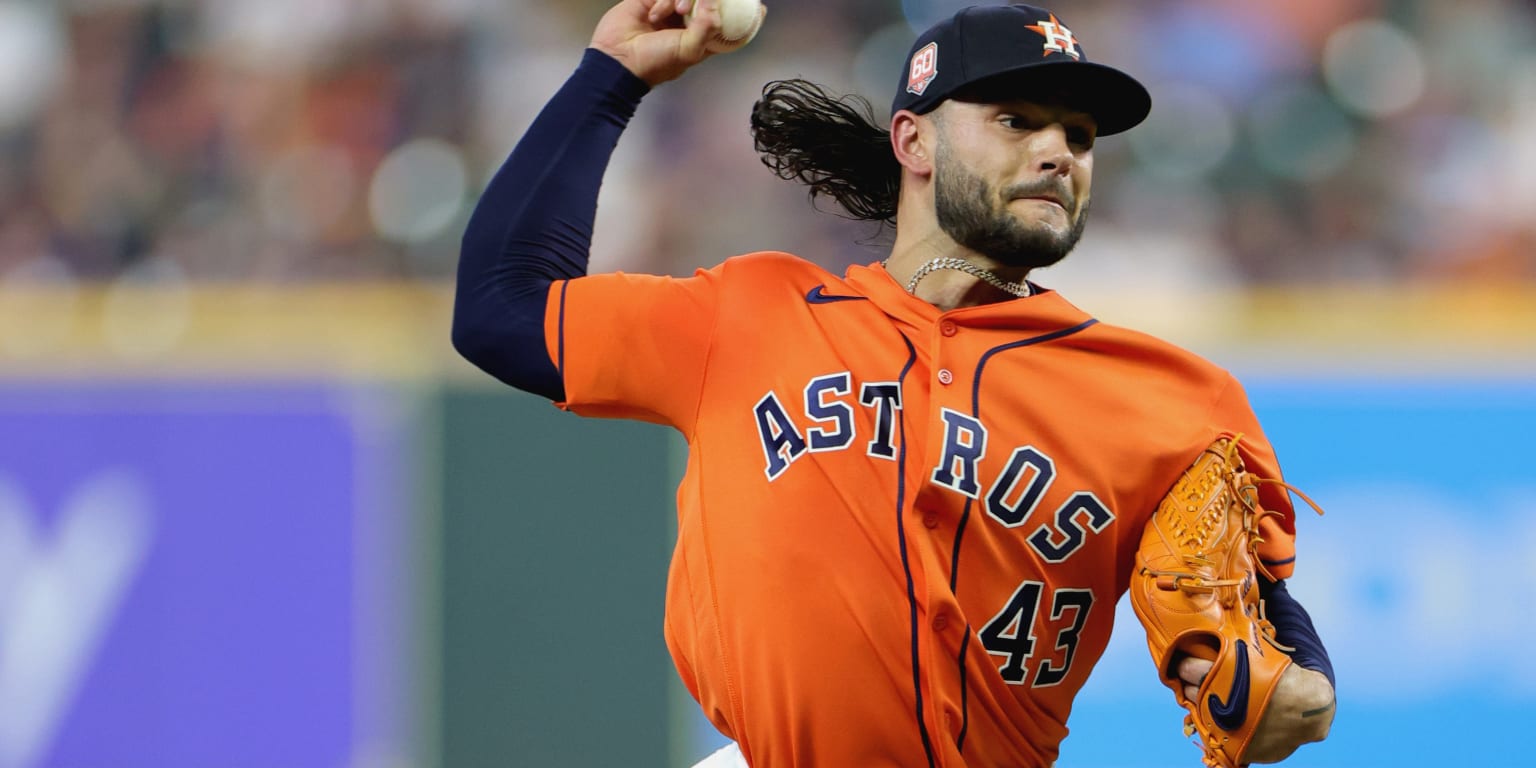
1158 369
1155 353
772 263
1199 398
764 275
1139 348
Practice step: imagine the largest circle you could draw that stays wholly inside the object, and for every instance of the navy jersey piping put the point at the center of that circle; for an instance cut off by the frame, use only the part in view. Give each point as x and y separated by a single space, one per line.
965 515
906 564
965 712
561 343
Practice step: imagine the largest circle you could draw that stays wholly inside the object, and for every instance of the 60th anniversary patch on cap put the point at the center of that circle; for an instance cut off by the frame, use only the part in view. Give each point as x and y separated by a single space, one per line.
1013 51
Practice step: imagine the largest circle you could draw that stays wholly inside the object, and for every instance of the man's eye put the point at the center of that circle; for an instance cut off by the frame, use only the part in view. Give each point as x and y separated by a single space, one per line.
1081 136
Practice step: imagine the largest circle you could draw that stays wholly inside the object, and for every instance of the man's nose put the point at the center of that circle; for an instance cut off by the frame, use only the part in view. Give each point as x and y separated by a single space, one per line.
1052 151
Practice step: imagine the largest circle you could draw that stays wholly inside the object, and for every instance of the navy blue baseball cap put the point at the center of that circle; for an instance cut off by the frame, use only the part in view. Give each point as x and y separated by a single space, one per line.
1007 51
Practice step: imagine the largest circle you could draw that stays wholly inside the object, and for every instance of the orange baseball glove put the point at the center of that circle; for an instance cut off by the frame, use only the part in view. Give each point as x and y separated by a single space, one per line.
1196 592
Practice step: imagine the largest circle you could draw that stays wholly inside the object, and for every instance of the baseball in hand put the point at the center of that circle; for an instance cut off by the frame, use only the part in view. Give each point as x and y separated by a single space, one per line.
739 22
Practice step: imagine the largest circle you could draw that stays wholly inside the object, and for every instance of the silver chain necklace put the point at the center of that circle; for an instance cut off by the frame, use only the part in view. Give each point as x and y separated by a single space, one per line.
950 262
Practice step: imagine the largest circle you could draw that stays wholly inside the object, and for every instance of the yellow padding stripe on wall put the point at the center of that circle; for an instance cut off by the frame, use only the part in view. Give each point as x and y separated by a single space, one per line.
401 329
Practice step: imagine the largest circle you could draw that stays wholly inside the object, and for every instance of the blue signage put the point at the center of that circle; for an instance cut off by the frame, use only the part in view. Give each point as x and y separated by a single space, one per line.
180 577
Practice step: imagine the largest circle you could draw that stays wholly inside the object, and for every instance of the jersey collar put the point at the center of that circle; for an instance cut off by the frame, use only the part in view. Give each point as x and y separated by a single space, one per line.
1044 311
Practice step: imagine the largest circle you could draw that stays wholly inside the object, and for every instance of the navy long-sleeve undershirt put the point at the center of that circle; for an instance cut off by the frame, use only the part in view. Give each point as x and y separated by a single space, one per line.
533 225
1293 628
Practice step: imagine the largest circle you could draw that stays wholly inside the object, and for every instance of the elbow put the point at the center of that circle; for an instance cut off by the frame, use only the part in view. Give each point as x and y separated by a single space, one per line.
498 325
469 339
509 349
489 314
486 345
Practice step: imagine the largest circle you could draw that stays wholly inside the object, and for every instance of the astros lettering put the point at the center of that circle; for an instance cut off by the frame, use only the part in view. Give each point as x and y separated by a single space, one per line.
1010 499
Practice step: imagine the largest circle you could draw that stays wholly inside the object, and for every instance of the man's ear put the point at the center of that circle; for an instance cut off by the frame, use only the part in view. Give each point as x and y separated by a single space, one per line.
912 141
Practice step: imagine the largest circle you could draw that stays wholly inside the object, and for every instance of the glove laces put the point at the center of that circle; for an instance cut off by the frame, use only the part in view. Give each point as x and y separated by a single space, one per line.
1243 486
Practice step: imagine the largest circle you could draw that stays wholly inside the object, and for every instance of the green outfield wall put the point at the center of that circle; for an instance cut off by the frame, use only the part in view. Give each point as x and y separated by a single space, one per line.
555 534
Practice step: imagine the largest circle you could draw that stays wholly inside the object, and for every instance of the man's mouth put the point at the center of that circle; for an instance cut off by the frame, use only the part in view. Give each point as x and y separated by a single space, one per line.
1045 198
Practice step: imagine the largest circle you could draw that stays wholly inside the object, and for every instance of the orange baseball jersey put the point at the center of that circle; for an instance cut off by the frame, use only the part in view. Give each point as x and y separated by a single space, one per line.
902 531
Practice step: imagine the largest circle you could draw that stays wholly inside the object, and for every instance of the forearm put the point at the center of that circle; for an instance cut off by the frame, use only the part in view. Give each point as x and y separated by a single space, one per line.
533 225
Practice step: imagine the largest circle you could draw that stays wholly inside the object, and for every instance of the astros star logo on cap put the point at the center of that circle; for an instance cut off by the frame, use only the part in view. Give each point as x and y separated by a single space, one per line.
1058 39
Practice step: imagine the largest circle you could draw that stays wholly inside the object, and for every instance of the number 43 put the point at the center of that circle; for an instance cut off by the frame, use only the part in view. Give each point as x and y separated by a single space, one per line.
1011 633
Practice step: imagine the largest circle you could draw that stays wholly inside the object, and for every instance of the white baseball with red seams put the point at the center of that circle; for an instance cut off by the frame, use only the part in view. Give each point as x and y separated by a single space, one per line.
739 22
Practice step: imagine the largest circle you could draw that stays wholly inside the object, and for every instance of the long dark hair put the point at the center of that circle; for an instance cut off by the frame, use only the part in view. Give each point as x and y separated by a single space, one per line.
829 143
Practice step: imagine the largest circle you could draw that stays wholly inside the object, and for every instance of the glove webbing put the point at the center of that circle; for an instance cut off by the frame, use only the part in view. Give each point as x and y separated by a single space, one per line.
1246 493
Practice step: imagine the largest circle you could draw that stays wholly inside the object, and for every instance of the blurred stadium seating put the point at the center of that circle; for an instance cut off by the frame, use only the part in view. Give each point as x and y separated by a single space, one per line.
1293 143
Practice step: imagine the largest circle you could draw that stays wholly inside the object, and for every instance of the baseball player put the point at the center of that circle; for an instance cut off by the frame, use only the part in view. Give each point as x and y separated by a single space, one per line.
915 490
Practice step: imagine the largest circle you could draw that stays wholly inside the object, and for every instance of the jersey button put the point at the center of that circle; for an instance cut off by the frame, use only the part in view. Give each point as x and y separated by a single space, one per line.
930 520
940 622
945 377
948 328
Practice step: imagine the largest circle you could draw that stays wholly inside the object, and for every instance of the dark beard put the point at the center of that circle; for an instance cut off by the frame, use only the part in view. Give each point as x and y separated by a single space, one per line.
966 211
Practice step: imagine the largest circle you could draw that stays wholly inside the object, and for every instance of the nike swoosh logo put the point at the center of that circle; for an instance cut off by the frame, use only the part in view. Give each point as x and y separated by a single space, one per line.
1229 715
817 297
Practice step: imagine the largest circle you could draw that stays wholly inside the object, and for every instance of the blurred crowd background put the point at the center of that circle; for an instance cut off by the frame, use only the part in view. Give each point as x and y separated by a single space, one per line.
1291 142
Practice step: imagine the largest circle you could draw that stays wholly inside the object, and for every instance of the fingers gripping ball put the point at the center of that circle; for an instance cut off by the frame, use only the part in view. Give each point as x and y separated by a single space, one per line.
1196 592
739 22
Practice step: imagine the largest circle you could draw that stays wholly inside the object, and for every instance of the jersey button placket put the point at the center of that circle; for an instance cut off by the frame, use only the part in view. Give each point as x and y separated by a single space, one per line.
947 330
